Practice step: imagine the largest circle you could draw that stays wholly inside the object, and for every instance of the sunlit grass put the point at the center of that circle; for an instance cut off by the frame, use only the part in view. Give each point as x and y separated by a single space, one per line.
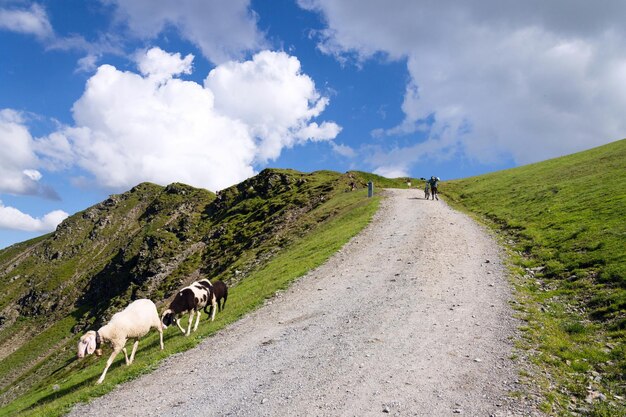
74 381
563 221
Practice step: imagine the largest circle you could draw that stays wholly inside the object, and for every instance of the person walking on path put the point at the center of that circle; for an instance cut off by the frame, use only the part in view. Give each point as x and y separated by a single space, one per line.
434 184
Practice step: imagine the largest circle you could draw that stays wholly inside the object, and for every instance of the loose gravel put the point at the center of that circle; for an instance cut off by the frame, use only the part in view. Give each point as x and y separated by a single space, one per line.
411 317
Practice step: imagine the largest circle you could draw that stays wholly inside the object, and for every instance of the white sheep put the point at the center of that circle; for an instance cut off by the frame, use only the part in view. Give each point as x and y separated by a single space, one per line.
132 323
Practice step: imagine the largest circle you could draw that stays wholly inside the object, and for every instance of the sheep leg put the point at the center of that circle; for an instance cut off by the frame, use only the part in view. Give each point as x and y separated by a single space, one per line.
125 355
160 329
213 308
109 362
198 314
132 355
193 313
179 326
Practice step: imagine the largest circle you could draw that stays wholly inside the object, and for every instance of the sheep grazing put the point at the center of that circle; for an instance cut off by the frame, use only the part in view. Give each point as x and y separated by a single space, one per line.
190 299
134 322
221 295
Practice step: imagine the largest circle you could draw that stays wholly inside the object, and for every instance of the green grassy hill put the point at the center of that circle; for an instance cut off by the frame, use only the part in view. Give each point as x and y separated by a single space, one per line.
257 236
565 223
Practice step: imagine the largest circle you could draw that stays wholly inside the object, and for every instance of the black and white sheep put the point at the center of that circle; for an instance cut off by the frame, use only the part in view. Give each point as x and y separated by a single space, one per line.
190 299
221 295
134 322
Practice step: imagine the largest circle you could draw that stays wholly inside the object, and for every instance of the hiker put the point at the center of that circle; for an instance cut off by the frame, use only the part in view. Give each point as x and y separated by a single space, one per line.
434 183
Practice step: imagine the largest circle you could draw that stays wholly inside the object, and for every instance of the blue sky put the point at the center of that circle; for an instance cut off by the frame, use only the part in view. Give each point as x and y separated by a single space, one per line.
97 96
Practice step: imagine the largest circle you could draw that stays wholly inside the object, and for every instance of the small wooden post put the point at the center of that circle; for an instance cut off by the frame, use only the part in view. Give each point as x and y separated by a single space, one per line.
370 189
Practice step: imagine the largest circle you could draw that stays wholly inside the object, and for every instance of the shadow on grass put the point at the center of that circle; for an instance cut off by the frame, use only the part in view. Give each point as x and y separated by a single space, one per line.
146 347
65 391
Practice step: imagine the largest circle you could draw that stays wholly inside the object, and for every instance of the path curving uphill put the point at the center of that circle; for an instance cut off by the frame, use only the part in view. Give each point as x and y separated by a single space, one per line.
411 317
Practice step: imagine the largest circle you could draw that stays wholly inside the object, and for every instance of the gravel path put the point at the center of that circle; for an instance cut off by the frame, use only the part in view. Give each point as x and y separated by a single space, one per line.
410 318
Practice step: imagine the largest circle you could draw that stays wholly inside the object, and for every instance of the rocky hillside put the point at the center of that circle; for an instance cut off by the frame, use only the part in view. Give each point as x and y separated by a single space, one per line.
146 242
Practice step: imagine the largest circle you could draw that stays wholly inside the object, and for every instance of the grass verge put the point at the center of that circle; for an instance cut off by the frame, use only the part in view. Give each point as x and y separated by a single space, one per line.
74 381
562 221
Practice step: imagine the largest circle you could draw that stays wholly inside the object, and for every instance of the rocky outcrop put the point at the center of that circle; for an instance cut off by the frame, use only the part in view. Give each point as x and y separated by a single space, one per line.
147 241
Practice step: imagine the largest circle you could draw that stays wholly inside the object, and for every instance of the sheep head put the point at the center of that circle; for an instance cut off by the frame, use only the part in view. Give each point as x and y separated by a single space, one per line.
87 344
168 318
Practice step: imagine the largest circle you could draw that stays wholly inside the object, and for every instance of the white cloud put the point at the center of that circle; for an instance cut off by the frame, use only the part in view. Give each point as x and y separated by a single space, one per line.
17 159
271 96
54 151
528 81
313 131
13 219
343 150
88 63
222 29
161 66
32 174
32 21
131 128
391 172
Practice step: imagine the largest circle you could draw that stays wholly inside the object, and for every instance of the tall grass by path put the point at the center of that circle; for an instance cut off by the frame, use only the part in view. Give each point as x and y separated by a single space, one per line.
564 221
74 381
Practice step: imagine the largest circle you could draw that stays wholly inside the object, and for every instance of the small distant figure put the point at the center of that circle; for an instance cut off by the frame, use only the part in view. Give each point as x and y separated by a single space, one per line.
434 184
427 191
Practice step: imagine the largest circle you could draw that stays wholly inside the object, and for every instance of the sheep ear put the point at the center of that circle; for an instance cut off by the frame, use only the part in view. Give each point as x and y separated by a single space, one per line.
91 344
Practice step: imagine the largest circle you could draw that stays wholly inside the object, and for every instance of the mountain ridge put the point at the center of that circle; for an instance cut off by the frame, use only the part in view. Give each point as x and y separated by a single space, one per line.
146 243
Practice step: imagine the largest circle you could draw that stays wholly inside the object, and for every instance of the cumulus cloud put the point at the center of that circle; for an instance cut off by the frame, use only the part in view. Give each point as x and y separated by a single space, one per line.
152 126
313 131
527 81
18 161
222 29
13 219
161 66
273 98
130 128
32 21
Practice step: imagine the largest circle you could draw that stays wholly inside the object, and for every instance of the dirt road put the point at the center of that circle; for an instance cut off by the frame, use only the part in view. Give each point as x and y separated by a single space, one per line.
409 318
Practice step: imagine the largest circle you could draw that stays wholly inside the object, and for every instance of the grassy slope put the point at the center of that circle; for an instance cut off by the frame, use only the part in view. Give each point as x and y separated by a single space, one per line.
565 222
41 341
72 381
